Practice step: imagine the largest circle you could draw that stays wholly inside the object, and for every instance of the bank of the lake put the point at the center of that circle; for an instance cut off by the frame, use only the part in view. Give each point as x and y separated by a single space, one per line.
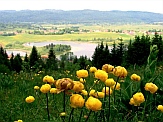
78 48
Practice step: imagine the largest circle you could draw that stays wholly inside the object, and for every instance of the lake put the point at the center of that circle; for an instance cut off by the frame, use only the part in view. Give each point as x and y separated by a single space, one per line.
78 48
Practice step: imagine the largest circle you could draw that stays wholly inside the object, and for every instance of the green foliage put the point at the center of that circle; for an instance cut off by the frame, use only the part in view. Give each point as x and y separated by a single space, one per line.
33 57
51 62
101 55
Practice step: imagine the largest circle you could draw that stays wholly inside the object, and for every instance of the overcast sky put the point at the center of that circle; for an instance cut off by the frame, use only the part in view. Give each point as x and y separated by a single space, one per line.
104 5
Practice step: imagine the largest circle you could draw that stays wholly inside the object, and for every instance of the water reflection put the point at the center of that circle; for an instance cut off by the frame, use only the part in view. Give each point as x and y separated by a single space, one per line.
78 48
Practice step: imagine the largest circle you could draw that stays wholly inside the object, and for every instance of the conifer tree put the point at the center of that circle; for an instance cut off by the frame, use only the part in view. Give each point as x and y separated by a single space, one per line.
26 58
51 61
120 52
101 55
157 40
114 54
26 66
12 61
33 59
17 63
4 58
97 58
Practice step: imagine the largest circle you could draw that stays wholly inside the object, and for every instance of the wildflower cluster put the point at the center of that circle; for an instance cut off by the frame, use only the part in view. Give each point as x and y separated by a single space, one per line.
103 90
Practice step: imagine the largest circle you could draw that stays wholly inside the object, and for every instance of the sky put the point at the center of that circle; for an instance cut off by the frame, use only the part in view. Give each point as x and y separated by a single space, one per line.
155 6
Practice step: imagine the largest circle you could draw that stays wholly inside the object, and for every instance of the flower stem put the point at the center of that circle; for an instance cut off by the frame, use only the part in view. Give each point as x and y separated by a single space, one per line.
109 106
115 87
80 115
71 114
143 112
104 97
47 106
64 104
88 115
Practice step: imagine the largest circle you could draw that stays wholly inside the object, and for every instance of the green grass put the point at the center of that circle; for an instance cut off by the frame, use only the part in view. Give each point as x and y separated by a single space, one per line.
14 88
23 38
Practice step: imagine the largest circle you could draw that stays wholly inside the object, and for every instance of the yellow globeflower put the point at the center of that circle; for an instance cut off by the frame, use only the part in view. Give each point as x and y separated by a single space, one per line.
82 73
107 90
107 68
76 101
135 77
45 78
110 82
132 102
120 72
118 86
102 75
30 99
160 108
84 92
100 94
45 88
82 80
48 79
36 87
93 104
54 91
138 98
64 84
20 120
93 69
78 86
92 92
151 87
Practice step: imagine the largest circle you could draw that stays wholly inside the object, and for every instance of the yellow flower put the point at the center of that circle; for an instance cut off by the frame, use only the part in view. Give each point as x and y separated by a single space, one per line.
20 120
151 87
102 75
48 79
93 69
138 98
100 94
110 82
135 77
54 91
45 88
107 90
76 101
107 68
93 104
30 99
92 92
36 87
132 102
64 84
82 73
63 114
120 72
160 108
84 92
82 80
78 86
118 86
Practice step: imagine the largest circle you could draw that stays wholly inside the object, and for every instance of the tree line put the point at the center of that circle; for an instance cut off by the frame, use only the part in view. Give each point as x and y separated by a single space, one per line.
134 53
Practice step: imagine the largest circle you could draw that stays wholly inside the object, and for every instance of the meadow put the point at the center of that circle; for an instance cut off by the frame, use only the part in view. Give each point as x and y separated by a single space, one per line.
109 94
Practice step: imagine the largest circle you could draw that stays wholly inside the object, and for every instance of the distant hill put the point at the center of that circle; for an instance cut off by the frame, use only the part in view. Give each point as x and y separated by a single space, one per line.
79 16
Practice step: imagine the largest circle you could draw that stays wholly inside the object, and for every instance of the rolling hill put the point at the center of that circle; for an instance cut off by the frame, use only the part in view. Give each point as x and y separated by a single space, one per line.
79 16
